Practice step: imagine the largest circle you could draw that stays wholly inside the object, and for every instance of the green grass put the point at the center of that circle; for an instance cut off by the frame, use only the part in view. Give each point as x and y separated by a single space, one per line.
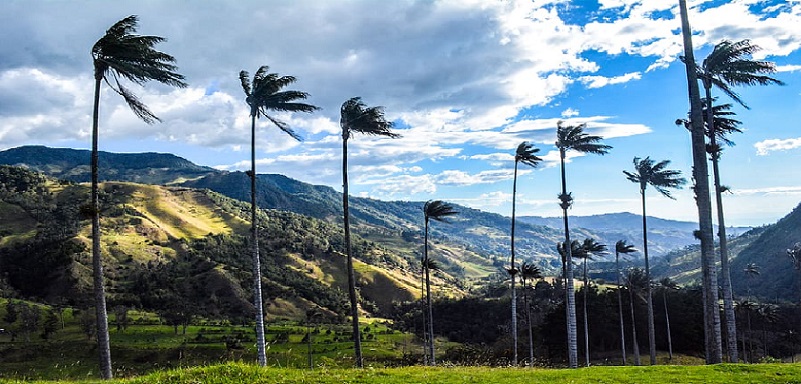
243 373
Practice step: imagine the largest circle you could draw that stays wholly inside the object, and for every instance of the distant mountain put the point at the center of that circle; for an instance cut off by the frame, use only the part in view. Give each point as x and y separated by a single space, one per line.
473 232
73 164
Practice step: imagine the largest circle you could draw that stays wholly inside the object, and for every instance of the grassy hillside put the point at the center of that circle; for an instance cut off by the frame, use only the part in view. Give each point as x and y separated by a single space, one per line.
177 247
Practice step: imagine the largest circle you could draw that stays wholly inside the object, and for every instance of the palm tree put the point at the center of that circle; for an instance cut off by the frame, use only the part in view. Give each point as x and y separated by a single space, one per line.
589 248
621 247
657 175
121 53
751 270
573 138
529 272
636 282
265 94
768 313
729 65
712 337
426 265
745 307
356 117
436 210
525 154
666 284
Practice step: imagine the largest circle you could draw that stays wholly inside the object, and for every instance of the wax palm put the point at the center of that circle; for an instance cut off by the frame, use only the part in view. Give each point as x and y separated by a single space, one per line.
121 54
743 308
667 285
647 172
425 265
265 95
526 154
621 248
589 248
751 270
572 138
729 65
356 117
712 337
529 272
436 210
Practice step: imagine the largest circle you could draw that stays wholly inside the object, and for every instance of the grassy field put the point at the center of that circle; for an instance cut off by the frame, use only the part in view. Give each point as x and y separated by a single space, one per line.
242 373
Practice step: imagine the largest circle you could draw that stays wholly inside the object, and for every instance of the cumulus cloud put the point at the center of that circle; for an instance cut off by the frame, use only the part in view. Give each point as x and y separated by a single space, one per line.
601 81
765 147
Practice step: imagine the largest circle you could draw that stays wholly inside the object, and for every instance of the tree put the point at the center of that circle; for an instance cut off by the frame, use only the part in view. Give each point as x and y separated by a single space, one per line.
572 138
50 324
356 117
751 270
647 172
589 248
436 210
729 65
120 53
265 95
525 154
745 307
712 337
621 248
529 272
666 284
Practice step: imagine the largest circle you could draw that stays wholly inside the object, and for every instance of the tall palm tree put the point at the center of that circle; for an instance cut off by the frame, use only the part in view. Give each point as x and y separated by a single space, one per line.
573 137
529 272
436 210
728 65
621 248
589 248
526 154
121 53
356 117
647 172
712 337
667 284
744 308
751 270
426 265
265 95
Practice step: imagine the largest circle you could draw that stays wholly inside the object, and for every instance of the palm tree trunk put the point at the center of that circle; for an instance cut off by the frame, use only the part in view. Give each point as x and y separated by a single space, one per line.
103 344
570 293
636 344
254 241
649 299
586 323
725 273
424 310
430 306
513 272
530 326
667 322
620 309
712 336
354 308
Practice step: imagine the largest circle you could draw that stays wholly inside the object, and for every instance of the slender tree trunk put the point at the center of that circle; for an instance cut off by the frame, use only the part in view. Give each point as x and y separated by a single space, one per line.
103 345
430 306
620 309
424 310
258 302
636 344
354 306
712 336
530 326
513 271
667 322
649 298
570 303
725 273
586 323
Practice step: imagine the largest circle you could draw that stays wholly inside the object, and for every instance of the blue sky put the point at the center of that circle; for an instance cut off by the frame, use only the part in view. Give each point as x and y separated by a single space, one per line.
466 81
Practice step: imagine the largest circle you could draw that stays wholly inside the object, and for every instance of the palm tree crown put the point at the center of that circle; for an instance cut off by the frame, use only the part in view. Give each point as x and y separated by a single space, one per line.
355 116
122 53
264 94
729 65
572 137
622 247
438 210
655 174
526 154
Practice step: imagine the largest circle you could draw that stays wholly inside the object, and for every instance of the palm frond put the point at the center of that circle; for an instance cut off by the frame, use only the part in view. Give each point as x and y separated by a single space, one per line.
438 210
729 64
265 95
526 154
573 138
244 78
647 172
622 247
355 116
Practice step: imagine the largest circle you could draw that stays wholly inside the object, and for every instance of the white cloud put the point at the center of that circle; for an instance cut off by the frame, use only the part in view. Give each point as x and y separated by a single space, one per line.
570 112
788 68
601 81
765 147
